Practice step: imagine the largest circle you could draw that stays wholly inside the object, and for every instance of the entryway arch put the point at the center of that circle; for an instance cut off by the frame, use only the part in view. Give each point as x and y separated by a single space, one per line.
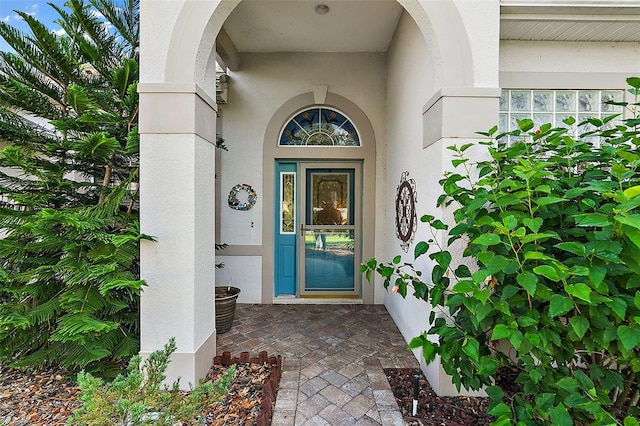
365 154
178 113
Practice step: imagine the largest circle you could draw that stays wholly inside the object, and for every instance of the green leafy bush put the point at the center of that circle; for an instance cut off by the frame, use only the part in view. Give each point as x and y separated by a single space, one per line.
139 397
69 252
551 226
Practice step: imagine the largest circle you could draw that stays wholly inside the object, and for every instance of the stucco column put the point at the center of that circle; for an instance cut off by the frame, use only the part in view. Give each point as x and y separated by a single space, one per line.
177 204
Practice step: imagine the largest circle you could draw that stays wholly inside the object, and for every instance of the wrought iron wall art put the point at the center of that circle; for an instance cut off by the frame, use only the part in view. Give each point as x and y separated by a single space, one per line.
242 203
406 218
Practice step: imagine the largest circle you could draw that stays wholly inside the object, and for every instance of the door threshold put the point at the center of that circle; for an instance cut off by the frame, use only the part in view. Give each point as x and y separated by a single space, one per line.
292 300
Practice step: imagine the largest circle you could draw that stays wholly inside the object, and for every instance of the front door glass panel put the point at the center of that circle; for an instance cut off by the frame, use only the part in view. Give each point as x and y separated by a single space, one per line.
329 232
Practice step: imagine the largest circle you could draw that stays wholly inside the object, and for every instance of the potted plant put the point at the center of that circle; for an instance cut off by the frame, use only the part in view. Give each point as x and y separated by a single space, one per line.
225 299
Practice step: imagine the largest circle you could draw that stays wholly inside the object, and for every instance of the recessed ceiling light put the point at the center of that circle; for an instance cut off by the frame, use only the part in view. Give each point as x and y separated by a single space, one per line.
322 9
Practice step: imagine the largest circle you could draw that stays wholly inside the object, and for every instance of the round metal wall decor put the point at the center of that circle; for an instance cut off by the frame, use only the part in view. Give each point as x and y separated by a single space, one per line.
242 203
406 218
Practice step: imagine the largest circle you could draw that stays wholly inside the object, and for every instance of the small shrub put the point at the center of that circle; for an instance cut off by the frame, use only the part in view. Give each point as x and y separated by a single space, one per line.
139 398
551 226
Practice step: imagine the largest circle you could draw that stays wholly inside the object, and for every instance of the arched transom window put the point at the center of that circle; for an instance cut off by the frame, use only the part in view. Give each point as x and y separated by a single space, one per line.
319 126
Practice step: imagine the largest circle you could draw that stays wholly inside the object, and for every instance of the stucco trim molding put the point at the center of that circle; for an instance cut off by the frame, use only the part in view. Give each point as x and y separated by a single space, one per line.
564 80
241 250
459 112
191 88
177 108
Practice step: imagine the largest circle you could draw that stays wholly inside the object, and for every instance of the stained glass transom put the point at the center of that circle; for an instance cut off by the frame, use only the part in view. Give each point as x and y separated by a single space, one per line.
319 126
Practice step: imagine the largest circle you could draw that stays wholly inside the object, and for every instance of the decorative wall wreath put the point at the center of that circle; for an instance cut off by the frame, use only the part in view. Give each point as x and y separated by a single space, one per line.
237 204
406 219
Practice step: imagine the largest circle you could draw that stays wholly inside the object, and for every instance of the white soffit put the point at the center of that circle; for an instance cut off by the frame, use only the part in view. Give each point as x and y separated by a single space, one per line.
295 26
566 20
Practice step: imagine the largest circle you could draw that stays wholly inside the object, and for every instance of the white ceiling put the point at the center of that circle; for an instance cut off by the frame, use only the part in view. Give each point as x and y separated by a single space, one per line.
294 26
570 20
369 25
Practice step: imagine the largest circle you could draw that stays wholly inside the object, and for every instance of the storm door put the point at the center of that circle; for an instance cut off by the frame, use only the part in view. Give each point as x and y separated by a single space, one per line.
329 236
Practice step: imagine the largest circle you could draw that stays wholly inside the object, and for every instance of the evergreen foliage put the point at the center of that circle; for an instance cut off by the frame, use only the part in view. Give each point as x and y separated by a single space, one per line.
139 398
550 280
69 259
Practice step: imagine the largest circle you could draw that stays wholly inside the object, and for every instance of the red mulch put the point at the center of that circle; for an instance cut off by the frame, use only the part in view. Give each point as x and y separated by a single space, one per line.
49 397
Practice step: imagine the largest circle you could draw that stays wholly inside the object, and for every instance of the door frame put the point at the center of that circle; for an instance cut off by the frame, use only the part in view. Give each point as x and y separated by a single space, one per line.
366 154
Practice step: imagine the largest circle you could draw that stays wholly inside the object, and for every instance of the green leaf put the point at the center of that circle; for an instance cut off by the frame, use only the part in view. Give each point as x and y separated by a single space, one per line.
462 271
579 325
592 219
496 264
487 366
631 220
438 224
619 306
510 222
525 125
580 290
500 410
632 192
464 286
572 247
629 336
528 281
487 240
442 257
500 331
535 237
630 421
559 305
547 271
533 224
560 416
525 321
421 248
471 347
635 83
545 201
495 393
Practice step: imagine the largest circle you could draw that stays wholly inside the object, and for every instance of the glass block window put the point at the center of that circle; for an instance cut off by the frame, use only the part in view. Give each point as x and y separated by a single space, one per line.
319 126
553 106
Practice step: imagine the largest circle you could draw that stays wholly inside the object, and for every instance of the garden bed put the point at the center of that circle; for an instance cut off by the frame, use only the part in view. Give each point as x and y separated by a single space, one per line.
49 397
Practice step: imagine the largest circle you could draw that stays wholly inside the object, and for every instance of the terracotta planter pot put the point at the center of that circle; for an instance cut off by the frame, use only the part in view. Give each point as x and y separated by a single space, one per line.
225 298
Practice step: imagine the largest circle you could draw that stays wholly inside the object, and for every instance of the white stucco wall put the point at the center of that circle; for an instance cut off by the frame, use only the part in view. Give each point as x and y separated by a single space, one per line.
413 81
410 85
243 272
582 57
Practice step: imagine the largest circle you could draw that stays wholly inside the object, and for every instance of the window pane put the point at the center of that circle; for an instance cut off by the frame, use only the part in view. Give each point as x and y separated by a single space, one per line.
320 126
566 101
588 101
288 212
543 100
521 100
504 100
330 198
611 96
540 119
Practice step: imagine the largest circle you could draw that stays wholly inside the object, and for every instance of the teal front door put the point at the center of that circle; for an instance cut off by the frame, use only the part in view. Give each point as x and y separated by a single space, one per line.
321 257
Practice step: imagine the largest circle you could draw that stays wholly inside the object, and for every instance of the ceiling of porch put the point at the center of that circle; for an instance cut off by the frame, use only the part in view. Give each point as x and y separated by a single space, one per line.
369 25
302 26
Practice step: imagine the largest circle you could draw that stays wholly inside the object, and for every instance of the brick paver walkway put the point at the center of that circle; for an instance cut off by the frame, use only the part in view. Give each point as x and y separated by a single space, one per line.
333 360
